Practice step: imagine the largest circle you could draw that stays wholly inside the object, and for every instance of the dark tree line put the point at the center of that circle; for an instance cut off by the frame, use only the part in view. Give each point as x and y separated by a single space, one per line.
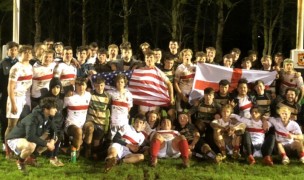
268 26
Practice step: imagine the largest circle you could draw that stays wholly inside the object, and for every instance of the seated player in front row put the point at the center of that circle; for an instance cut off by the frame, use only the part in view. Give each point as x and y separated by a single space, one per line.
126 143
288 136
168 143
227 133
254 137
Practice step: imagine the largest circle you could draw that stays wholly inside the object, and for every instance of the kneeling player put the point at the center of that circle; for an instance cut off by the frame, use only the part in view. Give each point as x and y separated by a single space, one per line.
126 144
169 143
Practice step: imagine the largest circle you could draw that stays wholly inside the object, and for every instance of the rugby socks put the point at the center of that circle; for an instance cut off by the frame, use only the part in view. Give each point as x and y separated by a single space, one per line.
301 154
184 148
283 155
155 147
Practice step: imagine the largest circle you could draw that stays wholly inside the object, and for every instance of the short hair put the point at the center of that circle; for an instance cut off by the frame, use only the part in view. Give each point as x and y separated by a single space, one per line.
48 103
169 57
236 50
121 76
266 57
246 59
127 43
149 53
82 48
144 44
99 80
279 54
186 50
26 48
291 89
11 45
58 44
93 45
255 107
258 82
224 82
242 81
227 106
210 48
228 56
68 48
283 108
114 46
288 61
80 81
37 45
102 51
209 90
50 51
200 54
140 117
252 52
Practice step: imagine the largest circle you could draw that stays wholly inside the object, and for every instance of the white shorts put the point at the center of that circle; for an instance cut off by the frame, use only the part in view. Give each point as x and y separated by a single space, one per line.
12 143
121 150
168 151
21 101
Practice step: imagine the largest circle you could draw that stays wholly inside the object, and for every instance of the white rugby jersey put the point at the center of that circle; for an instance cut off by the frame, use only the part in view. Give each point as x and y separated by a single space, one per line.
131 136
184 75
244 106
290 80
77 109
66 73
22 75
120 106
282 132
255 128
42 76
168 135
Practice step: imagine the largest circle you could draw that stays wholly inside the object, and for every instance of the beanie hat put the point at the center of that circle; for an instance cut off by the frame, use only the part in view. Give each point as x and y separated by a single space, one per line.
55 82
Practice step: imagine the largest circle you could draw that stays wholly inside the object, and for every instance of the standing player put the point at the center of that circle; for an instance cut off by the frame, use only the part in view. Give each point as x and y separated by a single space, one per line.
42 75
20 81
121 104
77 106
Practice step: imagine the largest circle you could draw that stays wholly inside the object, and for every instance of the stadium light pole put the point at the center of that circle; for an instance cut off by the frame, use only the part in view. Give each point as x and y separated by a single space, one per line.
16 20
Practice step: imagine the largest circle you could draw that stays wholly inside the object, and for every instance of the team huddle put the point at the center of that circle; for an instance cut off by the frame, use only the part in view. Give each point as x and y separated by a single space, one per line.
50 102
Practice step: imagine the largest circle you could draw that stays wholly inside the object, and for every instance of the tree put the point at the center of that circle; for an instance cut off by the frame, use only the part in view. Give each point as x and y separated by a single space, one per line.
5 7
37 37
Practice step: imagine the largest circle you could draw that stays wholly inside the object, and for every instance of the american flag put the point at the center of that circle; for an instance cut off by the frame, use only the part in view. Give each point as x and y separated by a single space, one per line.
110 77
146 85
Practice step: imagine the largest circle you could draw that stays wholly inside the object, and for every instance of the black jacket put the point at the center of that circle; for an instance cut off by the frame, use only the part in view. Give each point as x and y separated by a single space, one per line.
33 126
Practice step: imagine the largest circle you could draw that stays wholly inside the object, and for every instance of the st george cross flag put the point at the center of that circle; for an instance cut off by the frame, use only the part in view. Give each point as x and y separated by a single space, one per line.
148 87
209 75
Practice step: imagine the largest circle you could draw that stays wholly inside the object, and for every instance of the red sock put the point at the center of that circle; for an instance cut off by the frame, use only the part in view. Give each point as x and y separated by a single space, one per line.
184 148
302 154
7 149
236 148
155 146
283 155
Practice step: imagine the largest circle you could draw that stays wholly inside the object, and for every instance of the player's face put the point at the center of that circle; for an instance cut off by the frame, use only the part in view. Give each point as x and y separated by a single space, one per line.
68 55
144 48
209 98
150 61
47 59
169 64
173 46
259 88
12 52
224 89
83 56
127 55
81 88
290 96
255 114
227 62
210 54
226 112
102 58
40 50
187 57
166 125
26 55
56 90
285 115
52 112
152 119
200 59
120 84
59 49
93 50
157 55
288 67
266 62
99 87
242 89
246 65
139 125
113 52
183 119
278 59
